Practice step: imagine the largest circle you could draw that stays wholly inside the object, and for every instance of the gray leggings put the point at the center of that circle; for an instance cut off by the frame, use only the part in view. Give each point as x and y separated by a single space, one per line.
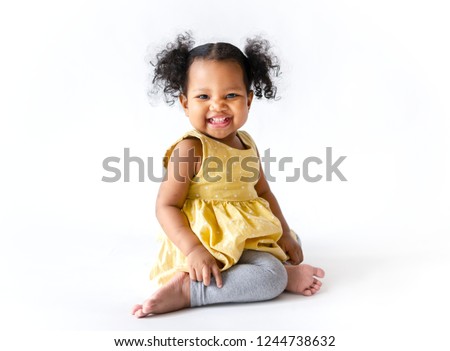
257 276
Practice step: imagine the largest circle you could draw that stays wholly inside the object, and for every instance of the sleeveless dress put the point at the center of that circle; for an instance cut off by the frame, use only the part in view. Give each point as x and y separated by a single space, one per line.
223 208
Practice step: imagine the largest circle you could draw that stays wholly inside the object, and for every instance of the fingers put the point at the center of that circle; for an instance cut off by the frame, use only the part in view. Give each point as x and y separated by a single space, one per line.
196 274
192 274
294 251
295 256
217 276
202 265
206 273
300 256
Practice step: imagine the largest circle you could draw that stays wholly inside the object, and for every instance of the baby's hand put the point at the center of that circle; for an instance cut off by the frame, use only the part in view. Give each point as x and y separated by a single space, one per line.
292 248
201 265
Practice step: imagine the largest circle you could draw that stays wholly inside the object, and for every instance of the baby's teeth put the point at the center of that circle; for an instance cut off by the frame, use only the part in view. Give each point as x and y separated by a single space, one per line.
218 120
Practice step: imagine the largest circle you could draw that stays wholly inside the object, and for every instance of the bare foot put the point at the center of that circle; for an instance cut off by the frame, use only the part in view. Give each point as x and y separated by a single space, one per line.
301 279
173 296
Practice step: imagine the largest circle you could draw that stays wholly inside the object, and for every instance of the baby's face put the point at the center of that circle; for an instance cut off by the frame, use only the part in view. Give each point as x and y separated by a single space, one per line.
216 100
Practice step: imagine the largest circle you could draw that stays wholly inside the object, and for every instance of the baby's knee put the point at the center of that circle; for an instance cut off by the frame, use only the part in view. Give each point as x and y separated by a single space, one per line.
276 278
281 277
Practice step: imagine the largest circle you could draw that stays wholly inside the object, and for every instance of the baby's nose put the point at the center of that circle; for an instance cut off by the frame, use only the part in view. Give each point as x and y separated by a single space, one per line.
217 105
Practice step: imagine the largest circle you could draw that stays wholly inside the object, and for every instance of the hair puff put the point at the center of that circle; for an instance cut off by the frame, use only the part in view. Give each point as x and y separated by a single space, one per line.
263 65
170 68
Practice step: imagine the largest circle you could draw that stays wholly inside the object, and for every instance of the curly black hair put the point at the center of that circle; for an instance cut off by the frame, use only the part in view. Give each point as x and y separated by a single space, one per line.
172 64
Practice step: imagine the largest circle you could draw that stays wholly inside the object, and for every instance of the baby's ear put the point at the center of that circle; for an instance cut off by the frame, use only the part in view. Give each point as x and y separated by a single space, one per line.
249 98
184 103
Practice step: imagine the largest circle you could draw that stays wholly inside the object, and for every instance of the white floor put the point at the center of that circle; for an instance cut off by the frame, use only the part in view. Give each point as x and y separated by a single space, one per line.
381 289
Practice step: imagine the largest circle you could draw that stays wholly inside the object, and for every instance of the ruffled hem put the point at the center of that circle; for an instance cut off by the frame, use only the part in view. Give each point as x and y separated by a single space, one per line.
226 229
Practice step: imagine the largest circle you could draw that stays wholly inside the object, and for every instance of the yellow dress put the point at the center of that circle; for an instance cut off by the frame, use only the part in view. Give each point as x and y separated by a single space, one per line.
223 208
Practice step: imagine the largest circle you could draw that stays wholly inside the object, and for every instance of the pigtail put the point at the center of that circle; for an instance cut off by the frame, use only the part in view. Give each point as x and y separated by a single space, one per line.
170 68
264 65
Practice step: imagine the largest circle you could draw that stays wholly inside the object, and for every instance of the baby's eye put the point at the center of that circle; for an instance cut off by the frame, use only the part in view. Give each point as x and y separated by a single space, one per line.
231 95
202 97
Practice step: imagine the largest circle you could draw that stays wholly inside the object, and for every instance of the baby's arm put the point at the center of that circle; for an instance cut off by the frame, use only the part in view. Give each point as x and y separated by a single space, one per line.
171 197
290 246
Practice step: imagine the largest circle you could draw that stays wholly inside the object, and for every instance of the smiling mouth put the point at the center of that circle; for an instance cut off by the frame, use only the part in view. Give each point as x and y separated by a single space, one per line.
219 121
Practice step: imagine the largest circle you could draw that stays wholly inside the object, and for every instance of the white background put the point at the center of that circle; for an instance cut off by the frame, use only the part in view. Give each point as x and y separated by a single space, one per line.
370 80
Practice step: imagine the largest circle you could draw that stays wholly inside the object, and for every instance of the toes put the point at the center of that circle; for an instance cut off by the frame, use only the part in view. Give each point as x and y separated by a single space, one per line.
147 307
316 286
139 314
319 272
136 308
141 310
307 292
